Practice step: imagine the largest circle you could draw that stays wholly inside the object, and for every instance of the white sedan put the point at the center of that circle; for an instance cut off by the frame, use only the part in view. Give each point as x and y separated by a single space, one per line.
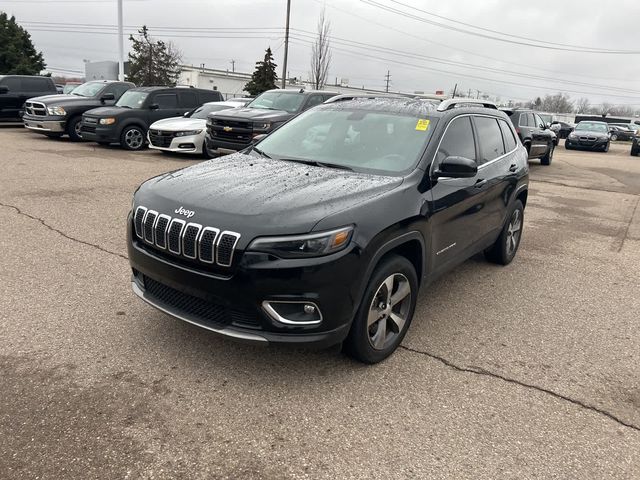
186 134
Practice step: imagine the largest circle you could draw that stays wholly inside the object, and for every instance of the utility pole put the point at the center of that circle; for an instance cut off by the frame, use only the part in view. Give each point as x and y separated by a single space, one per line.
388 79
455 90
120 44
477 93
286 46
233 65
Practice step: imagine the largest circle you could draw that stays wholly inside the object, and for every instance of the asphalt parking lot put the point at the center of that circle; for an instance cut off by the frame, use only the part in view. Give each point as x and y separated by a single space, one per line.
525 371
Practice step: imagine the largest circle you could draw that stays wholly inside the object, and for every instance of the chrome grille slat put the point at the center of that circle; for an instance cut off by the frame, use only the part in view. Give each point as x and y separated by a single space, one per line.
189 240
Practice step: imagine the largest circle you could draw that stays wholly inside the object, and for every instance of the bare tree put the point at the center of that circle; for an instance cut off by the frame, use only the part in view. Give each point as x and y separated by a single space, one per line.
605 108
582 105
321 53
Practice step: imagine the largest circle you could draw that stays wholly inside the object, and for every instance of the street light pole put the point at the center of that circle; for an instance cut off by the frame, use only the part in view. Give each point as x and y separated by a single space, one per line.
120 43
286 46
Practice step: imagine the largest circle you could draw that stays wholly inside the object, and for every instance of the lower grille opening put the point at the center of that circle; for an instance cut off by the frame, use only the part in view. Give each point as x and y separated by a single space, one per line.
211 313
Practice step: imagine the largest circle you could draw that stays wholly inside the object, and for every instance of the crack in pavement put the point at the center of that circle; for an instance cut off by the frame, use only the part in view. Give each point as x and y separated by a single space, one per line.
487 373
59 232
626 232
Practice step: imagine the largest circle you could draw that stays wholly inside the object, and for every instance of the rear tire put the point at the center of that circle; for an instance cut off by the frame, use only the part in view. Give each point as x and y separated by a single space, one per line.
385 312
506 246
614 138
73 129
548 157
132 138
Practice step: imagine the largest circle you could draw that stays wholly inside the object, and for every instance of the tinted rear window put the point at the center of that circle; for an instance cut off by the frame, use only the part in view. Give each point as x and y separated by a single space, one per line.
36 84
490 137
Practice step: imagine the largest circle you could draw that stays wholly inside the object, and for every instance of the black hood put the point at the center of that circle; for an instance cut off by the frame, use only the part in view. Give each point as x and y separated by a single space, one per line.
60 99
272 197
106 111
255 114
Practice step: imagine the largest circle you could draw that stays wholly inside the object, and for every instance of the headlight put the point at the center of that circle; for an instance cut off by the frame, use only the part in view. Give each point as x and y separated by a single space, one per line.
107 121
573 135
188 133
301 246
262 126
56 111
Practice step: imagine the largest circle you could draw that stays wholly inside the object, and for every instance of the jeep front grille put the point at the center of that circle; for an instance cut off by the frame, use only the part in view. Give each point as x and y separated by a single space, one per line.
189 240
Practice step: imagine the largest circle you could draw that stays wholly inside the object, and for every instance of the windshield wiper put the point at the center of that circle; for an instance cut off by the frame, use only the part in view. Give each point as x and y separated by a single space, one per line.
315 163
260 152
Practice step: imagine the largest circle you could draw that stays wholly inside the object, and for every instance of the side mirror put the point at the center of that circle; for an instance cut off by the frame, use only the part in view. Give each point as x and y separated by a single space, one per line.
258 138
107 96
456 167
154 106
4 89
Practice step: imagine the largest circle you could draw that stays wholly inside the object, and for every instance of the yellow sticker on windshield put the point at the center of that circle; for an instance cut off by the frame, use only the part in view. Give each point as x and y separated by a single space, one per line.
422 125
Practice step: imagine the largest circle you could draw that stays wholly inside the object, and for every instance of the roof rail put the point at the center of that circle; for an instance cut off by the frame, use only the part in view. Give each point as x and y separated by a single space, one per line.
456 102
367 96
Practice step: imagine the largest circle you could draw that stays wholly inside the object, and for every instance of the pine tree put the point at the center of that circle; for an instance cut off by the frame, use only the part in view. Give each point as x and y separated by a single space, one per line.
18 56
264 77
152 62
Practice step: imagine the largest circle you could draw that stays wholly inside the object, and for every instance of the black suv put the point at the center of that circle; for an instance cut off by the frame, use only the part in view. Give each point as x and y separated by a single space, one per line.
55 115
233 130
127 122
324 231
534 134
15 90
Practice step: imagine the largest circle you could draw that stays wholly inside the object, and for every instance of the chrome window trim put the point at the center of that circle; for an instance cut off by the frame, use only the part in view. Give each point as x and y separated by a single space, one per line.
433 160
233 248
266 306
139 234
213 244
182 224
166 230
153 227
195 245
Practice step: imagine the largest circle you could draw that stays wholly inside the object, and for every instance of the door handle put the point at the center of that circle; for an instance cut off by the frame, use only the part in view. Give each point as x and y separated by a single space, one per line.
513 167
480 183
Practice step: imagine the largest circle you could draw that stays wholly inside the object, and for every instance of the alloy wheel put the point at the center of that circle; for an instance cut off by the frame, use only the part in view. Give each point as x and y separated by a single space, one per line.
133 138
389 311
513 232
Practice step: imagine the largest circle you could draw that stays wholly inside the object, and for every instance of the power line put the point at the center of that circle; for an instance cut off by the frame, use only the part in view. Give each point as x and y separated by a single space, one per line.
491 37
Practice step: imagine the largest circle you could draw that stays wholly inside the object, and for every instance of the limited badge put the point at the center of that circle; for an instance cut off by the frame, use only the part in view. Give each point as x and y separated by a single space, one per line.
422 125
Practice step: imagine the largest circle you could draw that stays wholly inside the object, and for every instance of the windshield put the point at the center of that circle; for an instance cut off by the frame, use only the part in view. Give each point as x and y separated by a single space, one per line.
132 99
204 110
67 89
289 102
349 137
88 89
592 127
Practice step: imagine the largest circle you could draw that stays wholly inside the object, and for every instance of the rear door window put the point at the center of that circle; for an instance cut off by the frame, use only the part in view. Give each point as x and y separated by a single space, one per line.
490 139
13 84
531 120
458 141
523 122
189 99
206 97
166 100
36 84
507 134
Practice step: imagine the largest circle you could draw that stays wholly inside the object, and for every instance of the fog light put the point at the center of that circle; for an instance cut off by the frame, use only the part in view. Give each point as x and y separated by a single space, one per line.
293 313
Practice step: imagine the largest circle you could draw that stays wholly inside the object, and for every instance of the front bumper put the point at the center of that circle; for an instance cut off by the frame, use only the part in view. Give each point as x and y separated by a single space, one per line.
230 303
47 124
188 144
97 133
225 145
596 145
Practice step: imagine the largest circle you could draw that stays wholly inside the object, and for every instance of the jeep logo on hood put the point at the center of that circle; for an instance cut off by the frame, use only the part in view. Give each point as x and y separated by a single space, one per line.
183 211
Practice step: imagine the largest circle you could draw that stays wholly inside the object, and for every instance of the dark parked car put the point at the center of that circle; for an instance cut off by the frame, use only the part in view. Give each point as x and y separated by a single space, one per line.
324 231
620 133
534 134
15 90
561 129
232 131
55 115
127 122
589 135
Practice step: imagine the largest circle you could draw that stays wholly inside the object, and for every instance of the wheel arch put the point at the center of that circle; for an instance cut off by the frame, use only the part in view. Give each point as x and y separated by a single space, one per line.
410 245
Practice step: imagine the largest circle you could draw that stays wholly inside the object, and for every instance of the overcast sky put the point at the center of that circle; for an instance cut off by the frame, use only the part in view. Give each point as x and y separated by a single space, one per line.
413 49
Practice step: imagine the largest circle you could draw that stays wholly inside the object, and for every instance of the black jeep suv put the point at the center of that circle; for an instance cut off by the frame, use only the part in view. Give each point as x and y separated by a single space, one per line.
324 231
233 130
55 115
127 122
534 133
15 90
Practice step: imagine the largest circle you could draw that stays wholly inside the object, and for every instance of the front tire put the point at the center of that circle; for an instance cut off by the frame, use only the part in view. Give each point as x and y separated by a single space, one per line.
635 149
73 129
548 157
506 246
606 148
385 312
132 138
207 152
